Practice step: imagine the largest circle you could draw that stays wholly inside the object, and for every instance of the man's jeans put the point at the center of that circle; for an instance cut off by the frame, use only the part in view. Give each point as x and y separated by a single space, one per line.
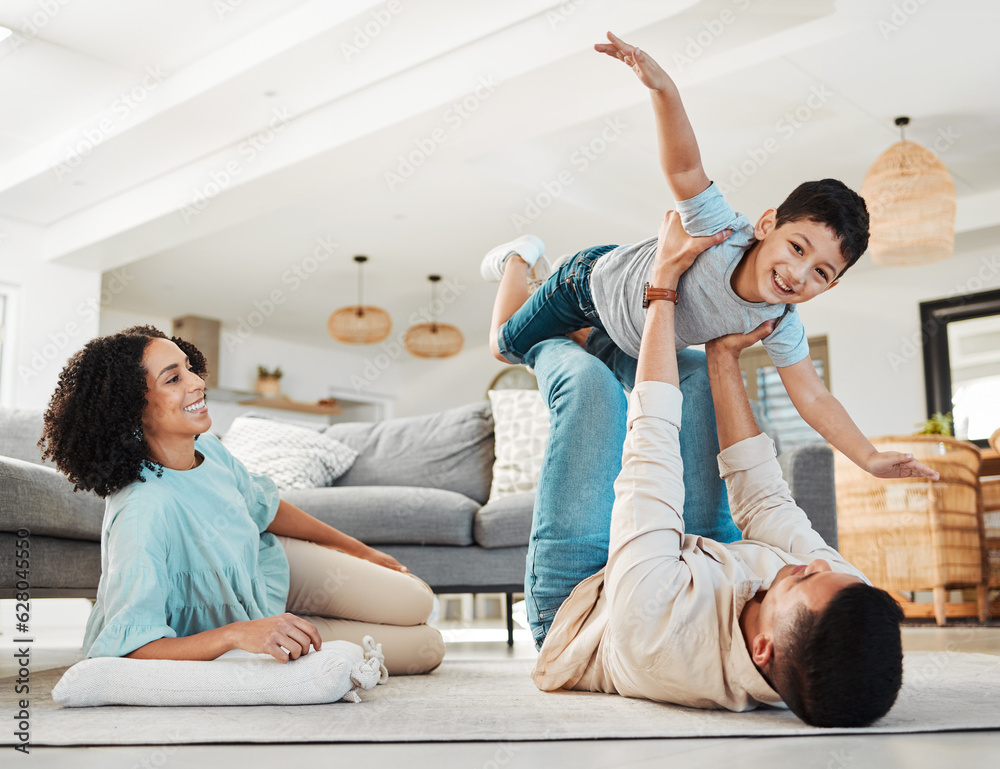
572 515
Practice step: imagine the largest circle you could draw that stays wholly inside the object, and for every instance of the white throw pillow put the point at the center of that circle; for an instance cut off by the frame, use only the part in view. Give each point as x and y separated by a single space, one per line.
293 457
333 673
521 420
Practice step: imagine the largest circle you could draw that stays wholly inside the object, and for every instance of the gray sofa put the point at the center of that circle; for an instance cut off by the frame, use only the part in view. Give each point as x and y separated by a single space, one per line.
418 490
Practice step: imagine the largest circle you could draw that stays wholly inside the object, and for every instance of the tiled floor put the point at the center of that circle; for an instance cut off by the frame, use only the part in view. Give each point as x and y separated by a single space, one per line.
969 750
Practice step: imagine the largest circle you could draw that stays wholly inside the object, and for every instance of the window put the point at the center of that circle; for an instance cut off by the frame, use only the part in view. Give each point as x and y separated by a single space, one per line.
764 385
6 338
961 337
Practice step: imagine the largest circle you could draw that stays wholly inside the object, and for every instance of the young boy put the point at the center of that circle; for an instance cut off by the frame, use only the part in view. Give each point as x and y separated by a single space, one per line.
758 273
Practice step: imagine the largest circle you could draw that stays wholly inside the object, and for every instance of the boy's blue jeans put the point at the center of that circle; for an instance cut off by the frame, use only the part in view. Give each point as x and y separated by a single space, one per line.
560 305
572 515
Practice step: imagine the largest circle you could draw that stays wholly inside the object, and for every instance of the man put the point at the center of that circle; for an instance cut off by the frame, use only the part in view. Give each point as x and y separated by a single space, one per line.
679 618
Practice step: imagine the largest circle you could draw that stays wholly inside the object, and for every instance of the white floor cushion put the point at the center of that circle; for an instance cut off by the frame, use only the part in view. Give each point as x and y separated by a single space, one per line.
335 672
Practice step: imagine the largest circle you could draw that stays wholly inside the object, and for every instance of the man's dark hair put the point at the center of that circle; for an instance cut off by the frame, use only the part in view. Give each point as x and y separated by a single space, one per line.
834 204
843 667
93 426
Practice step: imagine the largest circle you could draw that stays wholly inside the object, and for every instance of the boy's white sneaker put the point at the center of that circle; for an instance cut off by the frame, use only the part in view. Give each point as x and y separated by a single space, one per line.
529 247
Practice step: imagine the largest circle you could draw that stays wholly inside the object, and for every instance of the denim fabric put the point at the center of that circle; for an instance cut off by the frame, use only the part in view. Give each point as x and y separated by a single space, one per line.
560 305
706 502
572 515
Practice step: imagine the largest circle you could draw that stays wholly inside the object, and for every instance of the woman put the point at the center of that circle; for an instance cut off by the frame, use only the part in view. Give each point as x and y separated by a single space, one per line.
200 556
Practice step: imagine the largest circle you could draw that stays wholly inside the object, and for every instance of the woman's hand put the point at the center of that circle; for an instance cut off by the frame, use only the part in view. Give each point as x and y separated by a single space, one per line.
381 559
676 250
650 73
283 636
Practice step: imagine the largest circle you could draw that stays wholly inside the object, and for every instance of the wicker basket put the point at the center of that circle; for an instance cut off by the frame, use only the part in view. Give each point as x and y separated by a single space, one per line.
910 534
991 519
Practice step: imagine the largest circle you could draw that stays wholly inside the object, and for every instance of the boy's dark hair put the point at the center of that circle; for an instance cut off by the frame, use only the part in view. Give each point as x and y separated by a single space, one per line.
93 426
833 203
843 667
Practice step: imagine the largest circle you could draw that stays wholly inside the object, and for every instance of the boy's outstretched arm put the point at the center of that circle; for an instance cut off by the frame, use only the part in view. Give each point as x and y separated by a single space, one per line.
680 158
829 418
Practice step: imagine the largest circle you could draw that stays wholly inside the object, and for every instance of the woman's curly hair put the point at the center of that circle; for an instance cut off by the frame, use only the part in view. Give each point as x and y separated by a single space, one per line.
93 426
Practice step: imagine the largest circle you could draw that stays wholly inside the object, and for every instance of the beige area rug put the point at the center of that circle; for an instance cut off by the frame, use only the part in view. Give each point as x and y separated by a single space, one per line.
496 700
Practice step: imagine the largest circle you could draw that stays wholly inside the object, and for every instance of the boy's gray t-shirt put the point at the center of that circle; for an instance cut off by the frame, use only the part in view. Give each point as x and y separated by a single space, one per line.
708 307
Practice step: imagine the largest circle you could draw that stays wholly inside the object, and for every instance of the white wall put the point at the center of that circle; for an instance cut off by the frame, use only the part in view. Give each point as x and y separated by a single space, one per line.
872 323
56 311
871 320
416 386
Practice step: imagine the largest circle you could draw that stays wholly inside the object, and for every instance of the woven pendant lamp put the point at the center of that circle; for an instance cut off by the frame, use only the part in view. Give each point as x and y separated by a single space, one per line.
911 201
359 323
433 340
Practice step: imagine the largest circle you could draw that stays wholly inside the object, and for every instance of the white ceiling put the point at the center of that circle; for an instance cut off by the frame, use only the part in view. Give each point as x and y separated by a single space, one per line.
122 114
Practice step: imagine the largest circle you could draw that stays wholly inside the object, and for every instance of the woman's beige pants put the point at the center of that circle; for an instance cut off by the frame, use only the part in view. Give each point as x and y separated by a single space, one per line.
347 598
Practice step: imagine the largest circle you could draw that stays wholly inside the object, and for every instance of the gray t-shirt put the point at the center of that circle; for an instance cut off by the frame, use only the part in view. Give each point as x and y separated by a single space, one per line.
708 306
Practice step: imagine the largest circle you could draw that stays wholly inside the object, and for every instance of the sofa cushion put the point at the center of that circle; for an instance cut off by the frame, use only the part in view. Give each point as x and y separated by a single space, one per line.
450 449
41 500
505 522
808 470
522 432
397 514
20 430
291 456
56 564
457 569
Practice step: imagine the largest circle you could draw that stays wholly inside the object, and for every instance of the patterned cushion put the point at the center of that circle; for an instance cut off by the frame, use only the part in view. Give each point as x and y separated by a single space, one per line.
293 457
522 430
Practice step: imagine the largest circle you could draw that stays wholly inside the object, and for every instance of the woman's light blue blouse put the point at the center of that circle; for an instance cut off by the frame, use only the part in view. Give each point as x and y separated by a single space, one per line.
187 552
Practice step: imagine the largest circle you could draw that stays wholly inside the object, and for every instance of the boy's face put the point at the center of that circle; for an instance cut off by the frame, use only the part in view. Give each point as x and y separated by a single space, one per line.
796 261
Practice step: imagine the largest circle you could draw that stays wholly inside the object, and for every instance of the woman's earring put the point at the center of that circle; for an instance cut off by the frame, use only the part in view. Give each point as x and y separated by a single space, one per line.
137 434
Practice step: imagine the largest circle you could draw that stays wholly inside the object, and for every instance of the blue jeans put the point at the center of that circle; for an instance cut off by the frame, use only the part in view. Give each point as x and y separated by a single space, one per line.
572 515
560 305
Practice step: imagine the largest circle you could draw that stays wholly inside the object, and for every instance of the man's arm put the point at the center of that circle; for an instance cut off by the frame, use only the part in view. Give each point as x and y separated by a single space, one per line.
829 418
733 417
680 157
675 252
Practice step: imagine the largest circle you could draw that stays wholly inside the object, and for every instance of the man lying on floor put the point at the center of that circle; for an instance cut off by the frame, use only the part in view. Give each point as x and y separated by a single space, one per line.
779 616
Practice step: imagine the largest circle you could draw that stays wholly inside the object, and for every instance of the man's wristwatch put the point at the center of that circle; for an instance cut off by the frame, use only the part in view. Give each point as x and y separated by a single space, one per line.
650 294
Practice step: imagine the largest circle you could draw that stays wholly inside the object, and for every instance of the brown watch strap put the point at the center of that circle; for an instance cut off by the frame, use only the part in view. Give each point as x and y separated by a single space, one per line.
650 294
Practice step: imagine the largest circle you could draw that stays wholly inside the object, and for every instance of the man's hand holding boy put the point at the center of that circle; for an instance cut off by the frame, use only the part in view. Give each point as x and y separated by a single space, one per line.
676 250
